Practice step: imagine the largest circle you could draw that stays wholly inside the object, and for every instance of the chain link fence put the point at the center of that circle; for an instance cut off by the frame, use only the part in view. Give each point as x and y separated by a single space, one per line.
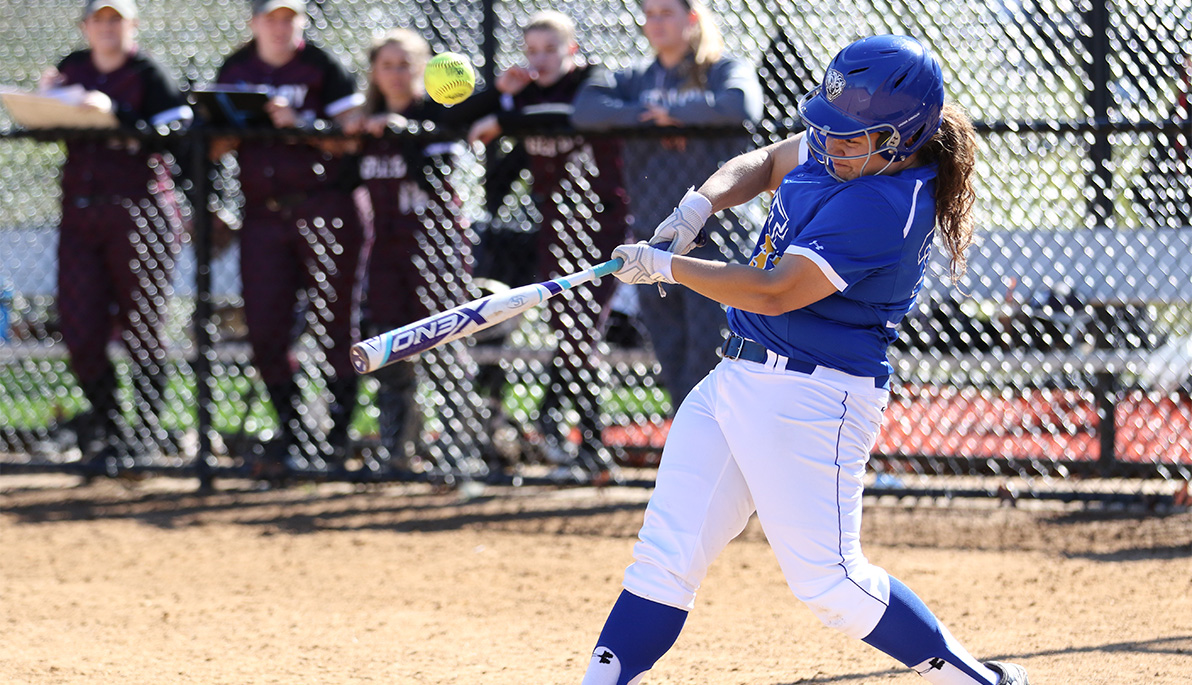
1058 367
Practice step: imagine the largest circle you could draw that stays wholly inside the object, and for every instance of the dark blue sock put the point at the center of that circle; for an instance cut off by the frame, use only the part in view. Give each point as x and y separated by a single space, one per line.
637 633
910 633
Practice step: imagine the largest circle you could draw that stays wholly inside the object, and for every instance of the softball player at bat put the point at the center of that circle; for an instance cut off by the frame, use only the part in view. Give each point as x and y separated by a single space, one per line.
119 233
785 422
302 231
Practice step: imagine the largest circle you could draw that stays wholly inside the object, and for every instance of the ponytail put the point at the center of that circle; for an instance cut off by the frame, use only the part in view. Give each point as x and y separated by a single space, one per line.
954 149
707 43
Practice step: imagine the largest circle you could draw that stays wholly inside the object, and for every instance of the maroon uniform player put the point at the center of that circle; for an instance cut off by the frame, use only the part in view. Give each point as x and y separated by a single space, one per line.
419 253
577 188
301 232
119 233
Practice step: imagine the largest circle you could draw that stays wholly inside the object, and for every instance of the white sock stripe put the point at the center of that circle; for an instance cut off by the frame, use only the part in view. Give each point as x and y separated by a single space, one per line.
603 668
938 671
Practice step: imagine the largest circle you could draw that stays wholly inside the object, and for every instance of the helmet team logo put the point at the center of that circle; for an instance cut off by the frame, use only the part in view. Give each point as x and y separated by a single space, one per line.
833 84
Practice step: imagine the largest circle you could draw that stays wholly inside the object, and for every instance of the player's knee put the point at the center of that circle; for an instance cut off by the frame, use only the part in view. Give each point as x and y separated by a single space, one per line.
657 584
851 604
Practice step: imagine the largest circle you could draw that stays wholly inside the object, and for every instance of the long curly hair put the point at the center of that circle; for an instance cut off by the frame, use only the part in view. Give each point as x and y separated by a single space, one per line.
954 149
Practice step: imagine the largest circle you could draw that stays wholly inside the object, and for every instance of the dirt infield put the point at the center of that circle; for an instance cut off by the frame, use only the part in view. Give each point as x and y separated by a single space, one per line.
150 583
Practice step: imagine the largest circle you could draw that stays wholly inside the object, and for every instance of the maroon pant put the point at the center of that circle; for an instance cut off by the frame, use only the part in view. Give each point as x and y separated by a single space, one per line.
115 260
570 241
290 245
567 242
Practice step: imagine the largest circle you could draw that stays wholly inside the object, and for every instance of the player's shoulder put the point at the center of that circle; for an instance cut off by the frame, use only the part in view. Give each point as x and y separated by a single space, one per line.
729 63
901 188
638 70
425 109
75 59
143 61
875 197
891 198
240 56
588 71
318 56
730 67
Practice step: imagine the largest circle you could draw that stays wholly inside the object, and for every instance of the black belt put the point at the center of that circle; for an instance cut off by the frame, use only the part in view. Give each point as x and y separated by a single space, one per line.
737 347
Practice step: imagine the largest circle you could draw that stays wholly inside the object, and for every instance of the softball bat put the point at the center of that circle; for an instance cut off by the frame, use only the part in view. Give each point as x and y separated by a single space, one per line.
466 319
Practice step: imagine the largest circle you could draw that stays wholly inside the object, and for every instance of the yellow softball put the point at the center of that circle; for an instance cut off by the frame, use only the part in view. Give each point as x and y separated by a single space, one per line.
449 78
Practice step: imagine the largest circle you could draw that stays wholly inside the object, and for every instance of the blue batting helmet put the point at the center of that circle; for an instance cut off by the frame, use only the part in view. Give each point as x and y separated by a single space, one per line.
886 84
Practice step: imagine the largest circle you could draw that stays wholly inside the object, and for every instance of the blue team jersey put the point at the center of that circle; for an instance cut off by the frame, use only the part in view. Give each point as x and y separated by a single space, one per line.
872 238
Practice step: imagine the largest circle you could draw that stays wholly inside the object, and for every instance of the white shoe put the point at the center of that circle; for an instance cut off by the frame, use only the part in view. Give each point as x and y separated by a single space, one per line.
1008 674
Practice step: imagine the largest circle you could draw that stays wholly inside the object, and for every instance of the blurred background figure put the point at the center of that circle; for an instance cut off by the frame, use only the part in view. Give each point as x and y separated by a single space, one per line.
119 233
418 262
688 81
302 240
577 190
1165 194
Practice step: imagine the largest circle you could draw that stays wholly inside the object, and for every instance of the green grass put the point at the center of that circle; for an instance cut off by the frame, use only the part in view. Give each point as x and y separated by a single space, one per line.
36 393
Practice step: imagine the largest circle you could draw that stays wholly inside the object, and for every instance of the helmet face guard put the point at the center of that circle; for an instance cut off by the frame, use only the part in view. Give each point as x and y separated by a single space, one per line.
889 85
884 147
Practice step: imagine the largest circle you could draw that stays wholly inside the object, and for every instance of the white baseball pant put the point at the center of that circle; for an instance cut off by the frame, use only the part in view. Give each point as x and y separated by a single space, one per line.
793 447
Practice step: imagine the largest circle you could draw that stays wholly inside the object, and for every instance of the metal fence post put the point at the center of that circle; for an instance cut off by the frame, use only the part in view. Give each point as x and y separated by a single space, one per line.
204 352
1100 100
1105 390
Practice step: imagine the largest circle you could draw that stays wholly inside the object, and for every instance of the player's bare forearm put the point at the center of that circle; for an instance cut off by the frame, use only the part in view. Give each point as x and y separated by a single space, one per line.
740 180
746 176
796 282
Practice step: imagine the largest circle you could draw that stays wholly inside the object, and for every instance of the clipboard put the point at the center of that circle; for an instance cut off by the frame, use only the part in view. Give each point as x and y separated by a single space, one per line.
232 107
53 109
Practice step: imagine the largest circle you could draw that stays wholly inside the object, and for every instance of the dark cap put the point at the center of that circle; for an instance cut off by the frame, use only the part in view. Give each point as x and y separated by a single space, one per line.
126 8
267 6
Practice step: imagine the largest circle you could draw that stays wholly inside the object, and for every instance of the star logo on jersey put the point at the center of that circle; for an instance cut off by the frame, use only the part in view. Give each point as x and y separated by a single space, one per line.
833 84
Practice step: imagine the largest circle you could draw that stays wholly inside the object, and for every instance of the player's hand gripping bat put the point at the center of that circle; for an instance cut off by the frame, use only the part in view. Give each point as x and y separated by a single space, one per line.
701 239
466 319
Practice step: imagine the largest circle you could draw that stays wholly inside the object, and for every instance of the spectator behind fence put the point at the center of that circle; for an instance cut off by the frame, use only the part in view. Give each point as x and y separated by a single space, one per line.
419 256
301 230
119 233
1166 193
688 82
578 191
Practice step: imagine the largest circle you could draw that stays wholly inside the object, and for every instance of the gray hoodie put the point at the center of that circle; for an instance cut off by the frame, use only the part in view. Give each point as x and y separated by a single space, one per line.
658 171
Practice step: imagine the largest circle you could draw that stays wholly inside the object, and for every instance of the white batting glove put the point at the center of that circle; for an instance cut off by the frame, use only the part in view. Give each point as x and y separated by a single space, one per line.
643 264
683 225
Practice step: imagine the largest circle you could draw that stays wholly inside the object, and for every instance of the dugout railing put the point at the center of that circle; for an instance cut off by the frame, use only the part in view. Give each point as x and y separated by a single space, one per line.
1082 131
